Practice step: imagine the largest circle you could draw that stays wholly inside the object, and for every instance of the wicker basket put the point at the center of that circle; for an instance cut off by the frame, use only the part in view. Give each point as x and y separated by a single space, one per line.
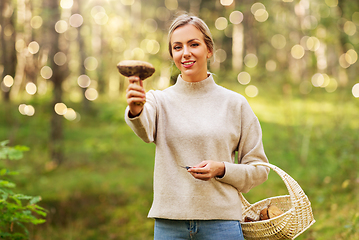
297 216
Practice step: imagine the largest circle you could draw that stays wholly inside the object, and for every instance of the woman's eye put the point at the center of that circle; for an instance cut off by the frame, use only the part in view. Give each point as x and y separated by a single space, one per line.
195 45
176 47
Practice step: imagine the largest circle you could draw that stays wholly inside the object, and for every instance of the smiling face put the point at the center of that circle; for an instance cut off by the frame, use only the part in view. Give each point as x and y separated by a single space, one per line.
190 52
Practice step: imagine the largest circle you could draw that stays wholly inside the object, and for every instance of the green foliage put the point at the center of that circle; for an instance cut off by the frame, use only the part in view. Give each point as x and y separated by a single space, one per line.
104 188
16 210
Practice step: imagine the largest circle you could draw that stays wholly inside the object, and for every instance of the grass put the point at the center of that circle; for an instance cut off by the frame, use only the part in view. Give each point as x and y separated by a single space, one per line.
103 190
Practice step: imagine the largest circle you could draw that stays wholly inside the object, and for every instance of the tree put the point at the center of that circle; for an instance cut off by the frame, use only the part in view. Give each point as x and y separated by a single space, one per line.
8 36
58 77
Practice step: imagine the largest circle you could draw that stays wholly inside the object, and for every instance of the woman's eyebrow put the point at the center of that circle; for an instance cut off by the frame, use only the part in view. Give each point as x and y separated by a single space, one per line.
191 40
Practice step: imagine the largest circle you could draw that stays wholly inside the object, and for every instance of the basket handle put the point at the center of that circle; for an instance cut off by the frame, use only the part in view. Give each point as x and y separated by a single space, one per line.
295 191
244 201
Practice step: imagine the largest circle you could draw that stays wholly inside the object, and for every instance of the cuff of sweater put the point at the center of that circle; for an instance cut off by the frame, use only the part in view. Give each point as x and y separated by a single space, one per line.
235 175
134 121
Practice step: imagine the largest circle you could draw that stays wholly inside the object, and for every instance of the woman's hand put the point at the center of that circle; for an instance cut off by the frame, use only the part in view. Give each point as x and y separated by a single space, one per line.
135 94
207 170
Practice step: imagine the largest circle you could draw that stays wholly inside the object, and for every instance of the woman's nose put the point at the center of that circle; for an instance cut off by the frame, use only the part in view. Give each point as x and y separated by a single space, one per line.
186 52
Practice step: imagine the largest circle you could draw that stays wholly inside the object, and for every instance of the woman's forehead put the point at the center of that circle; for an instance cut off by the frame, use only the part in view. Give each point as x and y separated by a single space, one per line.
185 33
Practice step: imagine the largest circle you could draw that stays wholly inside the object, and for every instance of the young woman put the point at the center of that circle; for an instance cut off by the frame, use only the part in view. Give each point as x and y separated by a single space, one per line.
200 124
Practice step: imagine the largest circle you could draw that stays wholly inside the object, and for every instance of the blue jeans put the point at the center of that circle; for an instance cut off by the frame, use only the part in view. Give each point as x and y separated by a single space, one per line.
197 229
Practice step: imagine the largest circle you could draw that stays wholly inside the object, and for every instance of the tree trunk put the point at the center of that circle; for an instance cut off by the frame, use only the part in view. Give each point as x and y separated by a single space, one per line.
85 102
8 57
59 74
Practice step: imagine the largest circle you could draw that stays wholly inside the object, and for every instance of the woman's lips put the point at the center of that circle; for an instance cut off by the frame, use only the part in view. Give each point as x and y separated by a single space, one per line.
188 64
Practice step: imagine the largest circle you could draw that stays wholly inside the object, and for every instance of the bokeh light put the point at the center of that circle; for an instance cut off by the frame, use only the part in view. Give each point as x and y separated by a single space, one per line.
36 22
271 65
76 20
33 47
91 94
226 2
70 114
60 58
317 80
171 4
46 72
84 81
343 62
150 46
297 51
257 6
101 18
20 45
251 60
220 55
326 81
61 26
21 109
60 108
332 86
66 4
355 90
138 53
261 15
350 28
31 88
351 56
97 9
251 91
278 41
312 43
28 110
8 81
236 17
221 23
244 78
91 63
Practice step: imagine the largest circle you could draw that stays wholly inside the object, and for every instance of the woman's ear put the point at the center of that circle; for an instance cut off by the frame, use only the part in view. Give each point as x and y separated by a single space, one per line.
209 54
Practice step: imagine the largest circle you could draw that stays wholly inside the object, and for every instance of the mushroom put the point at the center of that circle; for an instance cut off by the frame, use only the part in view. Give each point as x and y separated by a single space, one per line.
141 69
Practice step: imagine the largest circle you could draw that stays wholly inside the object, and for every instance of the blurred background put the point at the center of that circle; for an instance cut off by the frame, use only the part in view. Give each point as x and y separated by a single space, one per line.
296 61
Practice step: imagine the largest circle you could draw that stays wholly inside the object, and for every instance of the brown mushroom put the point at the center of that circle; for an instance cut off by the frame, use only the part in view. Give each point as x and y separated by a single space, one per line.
138 68
270 212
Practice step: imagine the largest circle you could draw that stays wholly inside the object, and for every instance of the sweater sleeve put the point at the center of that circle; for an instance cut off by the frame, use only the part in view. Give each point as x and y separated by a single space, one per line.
250 149
144 125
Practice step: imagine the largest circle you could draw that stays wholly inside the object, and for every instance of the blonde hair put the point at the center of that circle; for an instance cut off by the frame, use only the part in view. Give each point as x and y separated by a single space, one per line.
185 19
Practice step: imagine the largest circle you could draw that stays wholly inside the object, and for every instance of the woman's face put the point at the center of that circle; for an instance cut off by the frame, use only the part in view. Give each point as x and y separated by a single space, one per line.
190 53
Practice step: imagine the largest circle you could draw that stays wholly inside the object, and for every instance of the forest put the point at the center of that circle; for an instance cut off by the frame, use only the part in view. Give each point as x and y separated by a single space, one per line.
63 100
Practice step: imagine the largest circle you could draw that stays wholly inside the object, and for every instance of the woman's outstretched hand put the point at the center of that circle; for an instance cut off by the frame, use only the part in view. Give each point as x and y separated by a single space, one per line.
207 170
135 94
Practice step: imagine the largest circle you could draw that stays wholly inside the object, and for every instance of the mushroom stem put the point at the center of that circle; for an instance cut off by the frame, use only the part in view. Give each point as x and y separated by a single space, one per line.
136 68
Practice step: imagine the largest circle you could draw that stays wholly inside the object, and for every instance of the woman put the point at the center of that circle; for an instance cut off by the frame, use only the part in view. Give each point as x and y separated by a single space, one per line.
200 124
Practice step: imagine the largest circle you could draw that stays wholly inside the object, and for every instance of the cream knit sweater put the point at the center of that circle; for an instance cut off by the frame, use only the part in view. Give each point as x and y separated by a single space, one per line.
192 122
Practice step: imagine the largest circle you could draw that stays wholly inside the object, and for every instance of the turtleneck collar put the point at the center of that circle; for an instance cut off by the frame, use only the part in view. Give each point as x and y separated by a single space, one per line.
198 88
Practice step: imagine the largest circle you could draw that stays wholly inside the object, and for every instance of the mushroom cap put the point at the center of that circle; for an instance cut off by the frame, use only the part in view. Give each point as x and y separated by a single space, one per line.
136 68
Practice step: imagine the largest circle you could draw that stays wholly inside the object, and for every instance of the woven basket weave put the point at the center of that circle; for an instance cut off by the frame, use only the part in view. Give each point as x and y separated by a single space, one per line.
297 216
